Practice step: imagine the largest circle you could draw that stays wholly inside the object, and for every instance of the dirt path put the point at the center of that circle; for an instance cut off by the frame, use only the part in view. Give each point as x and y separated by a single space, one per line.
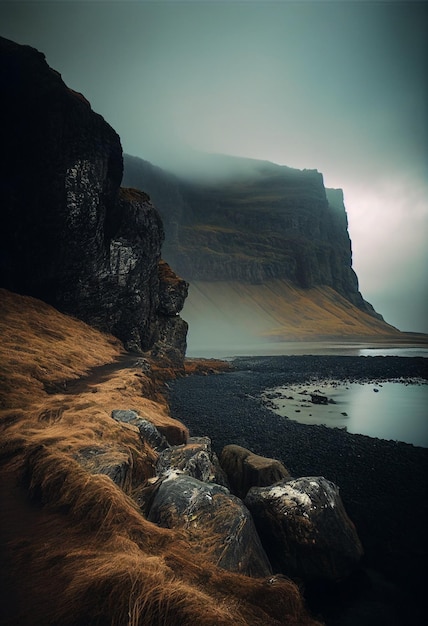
95 376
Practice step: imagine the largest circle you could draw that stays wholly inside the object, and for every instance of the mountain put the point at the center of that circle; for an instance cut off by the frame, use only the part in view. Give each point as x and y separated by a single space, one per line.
265 249
70 235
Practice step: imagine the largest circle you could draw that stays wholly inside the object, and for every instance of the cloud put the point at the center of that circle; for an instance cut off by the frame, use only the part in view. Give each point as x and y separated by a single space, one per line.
337 86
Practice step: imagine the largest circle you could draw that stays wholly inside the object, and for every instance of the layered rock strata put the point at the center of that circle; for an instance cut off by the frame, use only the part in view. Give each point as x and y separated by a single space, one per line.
257 223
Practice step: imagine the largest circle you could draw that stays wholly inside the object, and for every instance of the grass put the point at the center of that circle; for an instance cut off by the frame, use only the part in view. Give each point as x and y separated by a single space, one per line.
277 310
76 547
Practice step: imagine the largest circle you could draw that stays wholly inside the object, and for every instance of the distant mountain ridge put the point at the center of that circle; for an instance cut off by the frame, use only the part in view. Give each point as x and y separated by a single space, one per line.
261 222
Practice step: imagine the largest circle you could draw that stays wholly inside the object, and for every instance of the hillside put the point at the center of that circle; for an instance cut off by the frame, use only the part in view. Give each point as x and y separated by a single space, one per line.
245 318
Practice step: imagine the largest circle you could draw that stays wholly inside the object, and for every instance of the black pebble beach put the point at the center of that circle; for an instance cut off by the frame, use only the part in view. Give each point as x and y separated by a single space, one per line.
383 484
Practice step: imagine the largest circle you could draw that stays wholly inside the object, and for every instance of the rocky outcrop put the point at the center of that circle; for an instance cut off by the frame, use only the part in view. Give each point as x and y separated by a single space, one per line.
158 437
109 460
299 523
217 522
260 222
194 458
70 235
305 529
244 469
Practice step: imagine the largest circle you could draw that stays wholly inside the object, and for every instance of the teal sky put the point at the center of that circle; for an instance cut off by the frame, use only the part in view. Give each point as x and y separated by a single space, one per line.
336 86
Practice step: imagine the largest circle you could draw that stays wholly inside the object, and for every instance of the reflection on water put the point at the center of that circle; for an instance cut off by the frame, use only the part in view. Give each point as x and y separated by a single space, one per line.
416 351
233 349
390 410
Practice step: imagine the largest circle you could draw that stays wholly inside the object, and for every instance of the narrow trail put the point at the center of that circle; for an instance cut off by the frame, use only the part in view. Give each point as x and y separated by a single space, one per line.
95 376
26 523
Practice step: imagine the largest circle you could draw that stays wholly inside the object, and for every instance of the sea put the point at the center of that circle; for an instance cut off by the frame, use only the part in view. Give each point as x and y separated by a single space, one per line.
394 410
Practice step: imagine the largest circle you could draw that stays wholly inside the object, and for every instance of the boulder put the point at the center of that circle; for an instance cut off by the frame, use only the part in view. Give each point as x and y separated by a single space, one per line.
215 522
110 460
244 469
148 431
305 530
194 458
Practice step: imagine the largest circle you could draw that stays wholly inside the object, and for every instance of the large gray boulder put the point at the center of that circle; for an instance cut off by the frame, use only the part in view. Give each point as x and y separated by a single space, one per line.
194 458
216 523
305 530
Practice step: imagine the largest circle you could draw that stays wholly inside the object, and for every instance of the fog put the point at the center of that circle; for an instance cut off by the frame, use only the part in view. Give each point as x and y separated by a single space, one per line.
336 86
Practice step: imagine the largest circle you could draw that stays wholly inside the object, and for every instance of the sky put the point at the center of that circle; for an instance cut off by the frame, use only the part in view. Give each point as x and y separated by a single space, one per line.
340 87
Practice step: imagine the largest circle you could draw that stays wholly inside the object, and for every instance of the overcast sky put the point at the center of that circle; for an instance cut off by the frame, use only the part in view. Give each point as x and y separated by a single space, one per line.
340 87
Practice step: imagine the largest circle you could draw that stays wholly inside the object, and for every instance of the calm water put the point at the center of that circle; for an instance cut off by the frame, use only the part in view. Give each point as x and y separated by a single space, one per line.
304 347
390 410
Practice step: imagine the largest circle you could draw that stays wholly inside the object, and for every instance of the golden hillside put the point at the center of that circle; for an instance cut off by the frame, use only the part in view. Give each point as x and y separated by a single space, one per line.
234 314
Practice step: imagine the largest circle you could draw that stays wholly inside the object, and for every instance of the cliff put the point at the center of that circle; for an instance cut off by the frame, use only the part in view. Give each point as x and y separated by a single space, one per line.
257 223
70 234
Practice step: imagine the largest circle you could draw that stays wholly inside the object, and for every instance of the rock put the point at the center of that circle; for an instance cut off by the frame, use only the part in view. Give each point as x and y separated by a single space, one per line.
305 530
70 235
259 222
244 469
195 458
317 399
148 431
108 460
172 290
170 340
216 522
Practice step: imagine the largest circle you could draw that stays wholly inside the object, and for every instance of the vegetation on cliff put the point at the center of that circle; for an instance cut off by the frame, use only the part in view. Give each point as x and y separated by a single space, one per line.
243 318
76 547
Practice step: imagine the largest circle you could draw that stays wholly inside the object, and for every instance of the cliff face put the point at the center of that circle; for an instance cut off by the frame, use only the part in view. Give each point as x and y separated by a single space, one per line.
263 222
70 235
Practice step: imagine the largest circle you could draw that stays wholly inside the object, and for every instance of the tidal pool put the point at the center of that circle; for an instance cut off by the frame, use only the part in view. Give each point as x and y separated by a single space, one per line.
388 410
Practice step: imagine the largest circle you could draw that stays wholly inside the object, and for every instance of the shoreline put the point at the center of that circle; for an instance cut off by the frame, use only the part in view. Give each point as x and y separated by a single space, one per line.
383 484
416 346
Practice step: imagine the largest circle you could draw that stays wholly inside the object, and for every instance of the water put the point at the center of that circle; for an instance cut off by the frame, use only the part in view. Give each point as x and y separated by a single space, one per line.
389 410
305 348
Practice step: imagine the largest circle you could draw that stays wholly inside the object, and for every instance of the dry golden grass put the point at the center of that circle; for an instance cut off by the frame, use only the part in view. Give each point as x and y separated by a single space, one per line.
39 345
77 549
206 366
279 311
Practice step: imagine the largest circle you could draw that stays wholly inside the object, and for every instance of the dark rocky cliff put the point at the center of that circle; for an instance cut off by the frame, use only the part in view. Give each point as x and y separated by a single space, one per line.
70 235
262 222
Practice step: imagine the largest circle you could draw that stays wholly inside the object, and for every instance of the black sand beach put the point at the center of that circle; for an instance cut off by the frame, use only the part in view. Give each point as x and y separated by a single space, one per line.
383 484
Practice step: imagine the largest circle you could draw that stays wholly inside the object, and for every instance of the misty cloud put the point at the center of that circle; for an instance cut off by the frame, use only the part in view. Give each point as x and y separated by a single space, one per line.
336 86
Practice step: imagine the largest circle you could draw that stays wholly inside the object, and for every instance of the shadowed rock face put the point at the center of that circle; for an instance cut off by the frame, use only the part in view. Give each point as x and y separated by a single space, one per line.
305 529
70 235
245 469
262 222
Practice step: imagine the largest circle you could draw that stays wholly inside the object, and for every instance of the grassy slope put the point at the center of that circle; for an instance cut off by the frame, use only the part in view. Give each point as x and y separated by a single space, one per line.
278 311
75 547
